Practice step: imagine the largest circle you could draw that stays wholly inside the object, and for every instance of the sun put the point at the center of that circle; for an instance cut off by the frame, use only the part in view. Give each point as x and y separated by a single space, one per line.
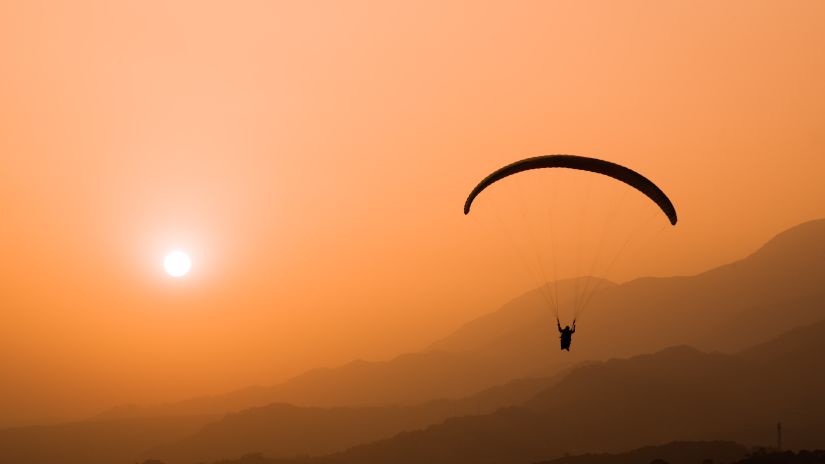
177 263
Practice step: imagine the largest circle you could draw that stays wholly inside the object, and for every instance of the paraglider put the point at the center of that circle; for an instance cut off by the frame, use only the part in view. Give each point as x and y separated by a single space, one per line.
580 163
566 335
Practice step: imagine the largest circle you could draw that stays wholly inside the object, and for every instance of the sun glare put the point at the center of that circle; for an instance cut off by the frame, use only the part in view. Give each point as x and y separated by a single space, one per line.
177 264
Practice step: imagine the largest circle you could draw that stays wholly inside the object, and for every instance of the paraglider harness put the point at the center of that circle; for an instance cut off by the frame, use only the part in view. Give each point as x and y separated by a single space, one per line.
566 336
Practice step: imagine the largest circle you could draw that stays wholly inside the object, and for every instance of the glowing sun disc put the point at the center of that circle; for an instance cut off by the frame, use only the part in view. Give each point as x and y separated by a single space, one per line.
177 264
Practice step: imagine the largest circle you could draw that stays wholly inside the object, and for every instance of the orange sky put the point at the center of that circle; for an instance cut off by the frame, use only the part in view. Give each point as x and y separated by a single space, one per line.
314 157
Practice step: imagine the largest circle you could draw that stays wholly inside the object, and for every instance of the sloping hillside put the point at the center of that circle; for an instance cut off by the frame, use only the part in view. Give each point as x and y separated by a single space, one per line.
727 308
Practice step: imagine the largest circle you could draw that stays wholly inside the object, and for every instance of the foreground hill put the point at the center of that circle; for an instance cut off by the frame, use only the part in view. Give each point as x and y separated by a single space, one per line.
672 453
676 394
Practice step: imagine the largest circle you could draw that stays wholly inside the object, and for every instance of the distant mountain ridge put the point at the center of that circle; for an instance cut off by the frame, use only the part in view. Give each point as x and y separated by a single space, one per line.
726 308
361 383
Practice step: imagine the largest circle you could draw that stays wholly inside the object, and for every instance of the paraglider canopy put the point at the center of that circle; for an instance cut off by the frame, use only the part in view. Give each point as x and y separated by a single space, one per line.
616 171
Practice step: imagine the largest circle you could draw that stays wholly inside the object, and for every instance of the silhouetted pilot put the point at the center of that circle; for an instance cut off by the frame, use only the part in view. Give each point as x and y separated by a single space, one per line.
566 335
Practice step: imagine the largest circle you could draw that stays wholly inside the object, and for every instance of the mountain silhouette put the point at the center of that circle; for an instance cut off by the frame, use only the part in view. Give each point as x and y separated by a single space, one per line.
277 429
732 309
678 393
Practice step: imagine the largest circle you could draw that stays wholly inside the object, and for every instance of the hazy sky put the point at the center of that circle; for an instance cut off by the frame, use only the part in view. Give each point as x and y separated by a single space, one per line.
313 158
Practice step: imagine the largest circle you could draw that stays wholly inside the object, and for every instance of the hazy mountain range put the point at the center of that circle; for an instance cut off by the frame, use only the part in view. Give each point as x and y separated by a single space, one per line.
678 393
285 430
675 394
777 288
